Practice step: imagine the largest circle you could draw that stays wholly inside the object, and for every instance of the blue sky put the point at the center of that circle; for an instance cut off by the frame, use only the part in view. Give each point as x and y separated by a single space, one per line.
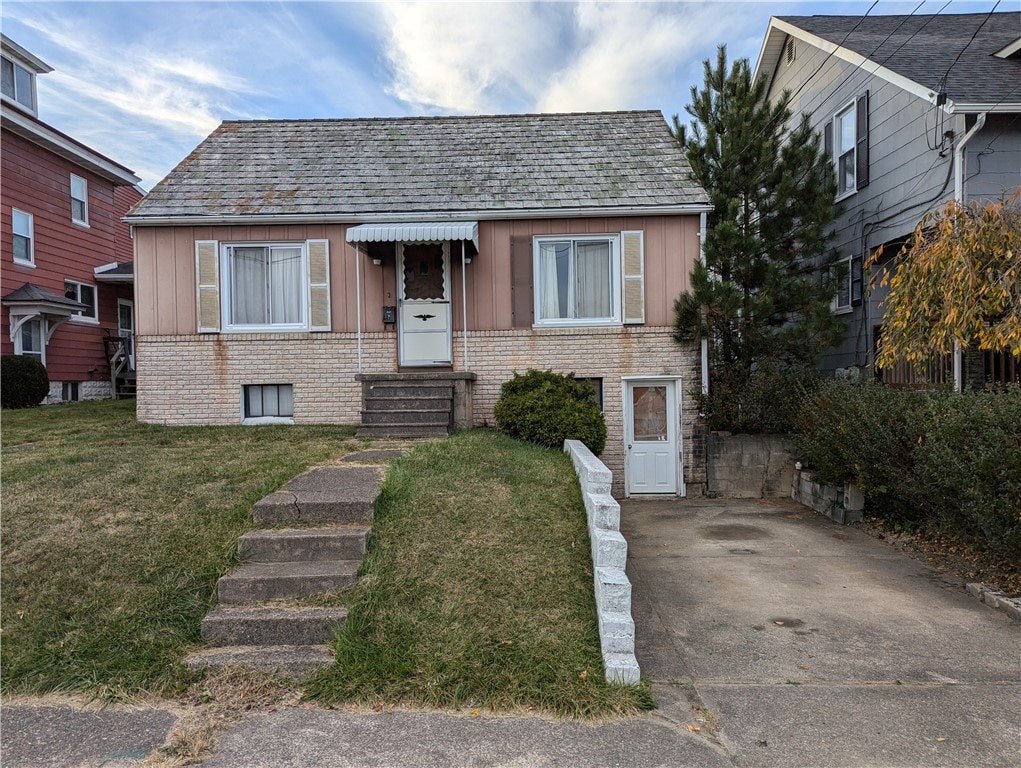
145 82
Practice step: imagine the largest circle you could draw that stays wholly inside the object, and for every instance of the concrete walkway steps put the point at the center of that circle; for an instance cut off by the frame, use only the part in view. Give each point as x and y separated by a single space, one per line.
328 512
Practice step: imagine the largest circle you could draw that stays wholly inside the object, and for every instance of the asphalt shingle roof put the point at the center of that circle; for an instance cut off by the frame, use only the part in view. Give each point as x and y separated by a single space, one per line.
924 47
423 164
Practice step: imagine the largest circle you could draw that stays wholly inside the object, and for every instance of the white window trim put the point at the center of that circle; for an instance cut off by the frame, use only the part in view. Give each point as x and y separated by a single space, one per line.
615 283
851 108
843 309
19 350
226 298
85 183
33 108
31 238
81 318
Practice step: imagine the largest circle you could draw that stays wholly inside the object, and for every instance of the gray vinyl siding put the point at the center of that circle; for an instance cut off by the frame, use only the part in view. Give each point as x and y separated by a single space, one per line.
908 174
993 164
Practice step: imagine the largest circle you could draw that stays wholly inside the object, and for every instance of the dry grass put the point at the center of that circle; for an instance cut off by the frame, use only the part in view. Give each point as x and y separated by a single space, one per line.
477 589
115 532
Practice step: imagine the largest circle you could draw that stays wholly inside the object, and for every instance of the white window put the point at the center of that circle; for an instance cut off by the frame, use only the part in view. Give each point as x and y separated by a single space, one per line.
22 226
31 340
577 280
86 294
79 200
842 299
265 287
268 403
18 83
844 142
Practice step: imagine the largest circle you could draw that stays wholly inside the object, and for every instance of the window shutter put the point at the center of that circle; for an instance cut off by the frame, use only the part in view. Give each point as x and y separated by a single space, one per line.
862 141
207 278
522 290
319 285
633 267
857 281
827 140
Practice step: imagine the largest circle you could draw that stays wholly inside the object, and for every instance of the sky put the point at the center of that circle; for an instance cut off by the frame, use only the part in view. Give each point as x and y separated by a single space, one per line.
144 82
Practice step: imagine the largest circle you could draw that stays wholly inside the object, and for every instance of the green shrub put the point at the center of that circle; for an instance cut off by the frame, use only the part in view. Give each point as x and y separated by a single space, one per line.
547 408
865 433
969 465
765 402
23 381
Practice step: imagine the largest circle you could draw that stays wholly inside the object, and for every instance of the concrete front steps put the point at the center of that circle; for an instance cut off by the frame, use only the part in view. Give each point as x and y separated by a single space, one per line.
257 623
415 403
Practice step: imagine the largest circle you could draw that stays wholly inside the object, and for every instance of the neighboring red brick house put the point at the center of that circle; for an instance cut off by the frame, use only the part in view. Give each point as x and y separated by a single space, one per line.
397 271
66 285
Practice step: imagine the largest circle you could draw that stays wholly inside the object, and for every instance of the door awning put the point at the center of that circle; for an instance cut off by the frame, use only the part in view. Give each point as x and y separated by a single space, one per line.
415 232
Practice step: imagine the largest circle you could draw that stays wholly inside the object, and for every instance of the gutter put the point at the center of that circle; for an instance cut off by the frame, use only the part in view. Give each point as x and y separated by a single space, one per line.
705 342
412 216
959 198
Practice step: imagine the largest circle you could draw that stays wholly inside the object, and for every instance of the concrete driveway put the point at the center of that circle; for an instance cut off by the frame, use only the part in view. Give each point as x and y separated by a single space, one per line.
804 643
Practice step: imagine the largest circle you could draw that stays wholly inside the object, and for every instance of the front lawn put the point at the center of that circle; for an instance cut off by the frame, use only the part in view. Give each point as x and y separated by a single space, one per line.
477 589
115 532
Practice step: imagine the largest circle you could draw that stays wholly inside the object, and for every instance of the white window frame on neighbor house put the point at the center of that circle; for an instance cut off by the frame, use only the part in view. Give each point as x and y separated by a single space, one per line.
229 301
75 287
613 243
24 229
247 398
80 196
20 90
30 326
843 286
841 155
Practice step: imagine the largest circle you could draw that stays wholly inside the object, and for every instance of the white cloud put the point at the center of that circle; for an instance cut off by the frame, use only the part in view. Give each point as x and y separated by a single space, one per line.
469 57
627 53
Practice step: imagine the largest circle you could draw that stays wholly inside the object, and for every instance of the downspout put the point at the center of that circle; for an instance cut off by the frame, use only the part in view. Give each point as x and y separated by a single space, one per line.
358 302
980 122
464 308
705 341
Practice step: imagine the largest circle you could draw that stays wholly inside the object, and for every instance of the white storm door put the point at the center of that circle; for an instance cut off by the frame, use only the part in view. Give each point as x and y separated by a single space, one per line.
126 328
651 428
423 306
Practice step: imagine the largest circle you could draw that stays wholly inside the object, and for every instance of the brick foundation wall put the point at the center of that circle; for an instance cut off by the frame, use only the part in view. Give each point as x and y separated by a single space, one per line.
197 379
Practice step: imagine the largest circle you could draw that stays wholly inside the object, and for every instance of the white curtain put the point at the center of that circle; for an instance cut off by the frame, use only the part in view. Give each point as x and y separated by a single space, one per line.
248 286
285 285
549 286
592 279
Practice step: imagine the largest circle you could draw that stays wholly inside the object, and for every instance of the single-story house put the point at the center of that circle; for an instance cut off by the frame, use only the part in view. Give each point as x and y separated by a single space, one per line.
395 272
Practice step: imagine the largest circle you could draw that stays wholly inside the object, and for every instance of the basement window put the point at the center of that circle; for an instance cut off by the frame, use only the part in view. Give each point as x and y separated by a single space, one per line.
268 404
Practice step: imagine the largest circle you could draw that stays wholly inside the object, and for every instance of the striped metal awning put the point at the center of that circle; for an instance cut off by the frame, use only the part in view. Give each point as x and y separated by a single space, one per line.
415 232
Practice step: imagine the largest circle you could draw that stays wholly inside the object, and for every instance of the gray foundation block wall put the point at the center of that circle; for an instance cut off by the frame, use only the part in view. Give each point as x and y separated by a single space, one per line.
841 505
609 556
748 466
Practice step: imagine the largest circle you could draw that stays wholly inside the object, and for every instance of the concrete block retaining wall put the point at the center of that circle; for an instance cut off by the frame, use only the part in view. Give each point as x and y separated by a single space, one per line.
841 505
748 466
609 556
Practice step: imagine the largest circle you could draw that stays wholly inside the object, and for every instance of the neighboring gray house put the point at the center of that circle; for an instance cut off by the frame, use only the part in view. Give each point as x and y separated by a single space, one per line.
916 111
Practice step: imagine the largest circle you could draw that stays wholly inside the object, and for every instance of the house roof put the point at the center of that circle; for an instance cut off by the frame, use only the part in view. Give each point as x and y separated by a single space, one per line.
428 169
115 273
935 51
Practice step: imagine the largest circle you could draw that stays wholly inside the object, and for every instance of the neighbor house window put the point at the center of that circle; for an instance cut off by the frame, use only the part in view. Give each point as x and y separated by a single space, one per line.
266 287
18 83
844 140
577 280
31 341
842 299
86 294
268 402
79 200
21 227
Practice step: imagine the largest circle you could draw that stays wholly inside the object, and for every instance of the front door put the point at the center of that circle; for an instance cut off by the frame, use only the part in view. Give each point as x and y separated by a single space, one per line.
423 307
652 436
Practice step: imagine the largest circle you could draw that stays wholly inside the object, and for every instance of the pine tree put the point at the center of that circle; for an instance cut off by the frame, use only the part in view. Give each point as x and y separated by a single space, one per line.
760 297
